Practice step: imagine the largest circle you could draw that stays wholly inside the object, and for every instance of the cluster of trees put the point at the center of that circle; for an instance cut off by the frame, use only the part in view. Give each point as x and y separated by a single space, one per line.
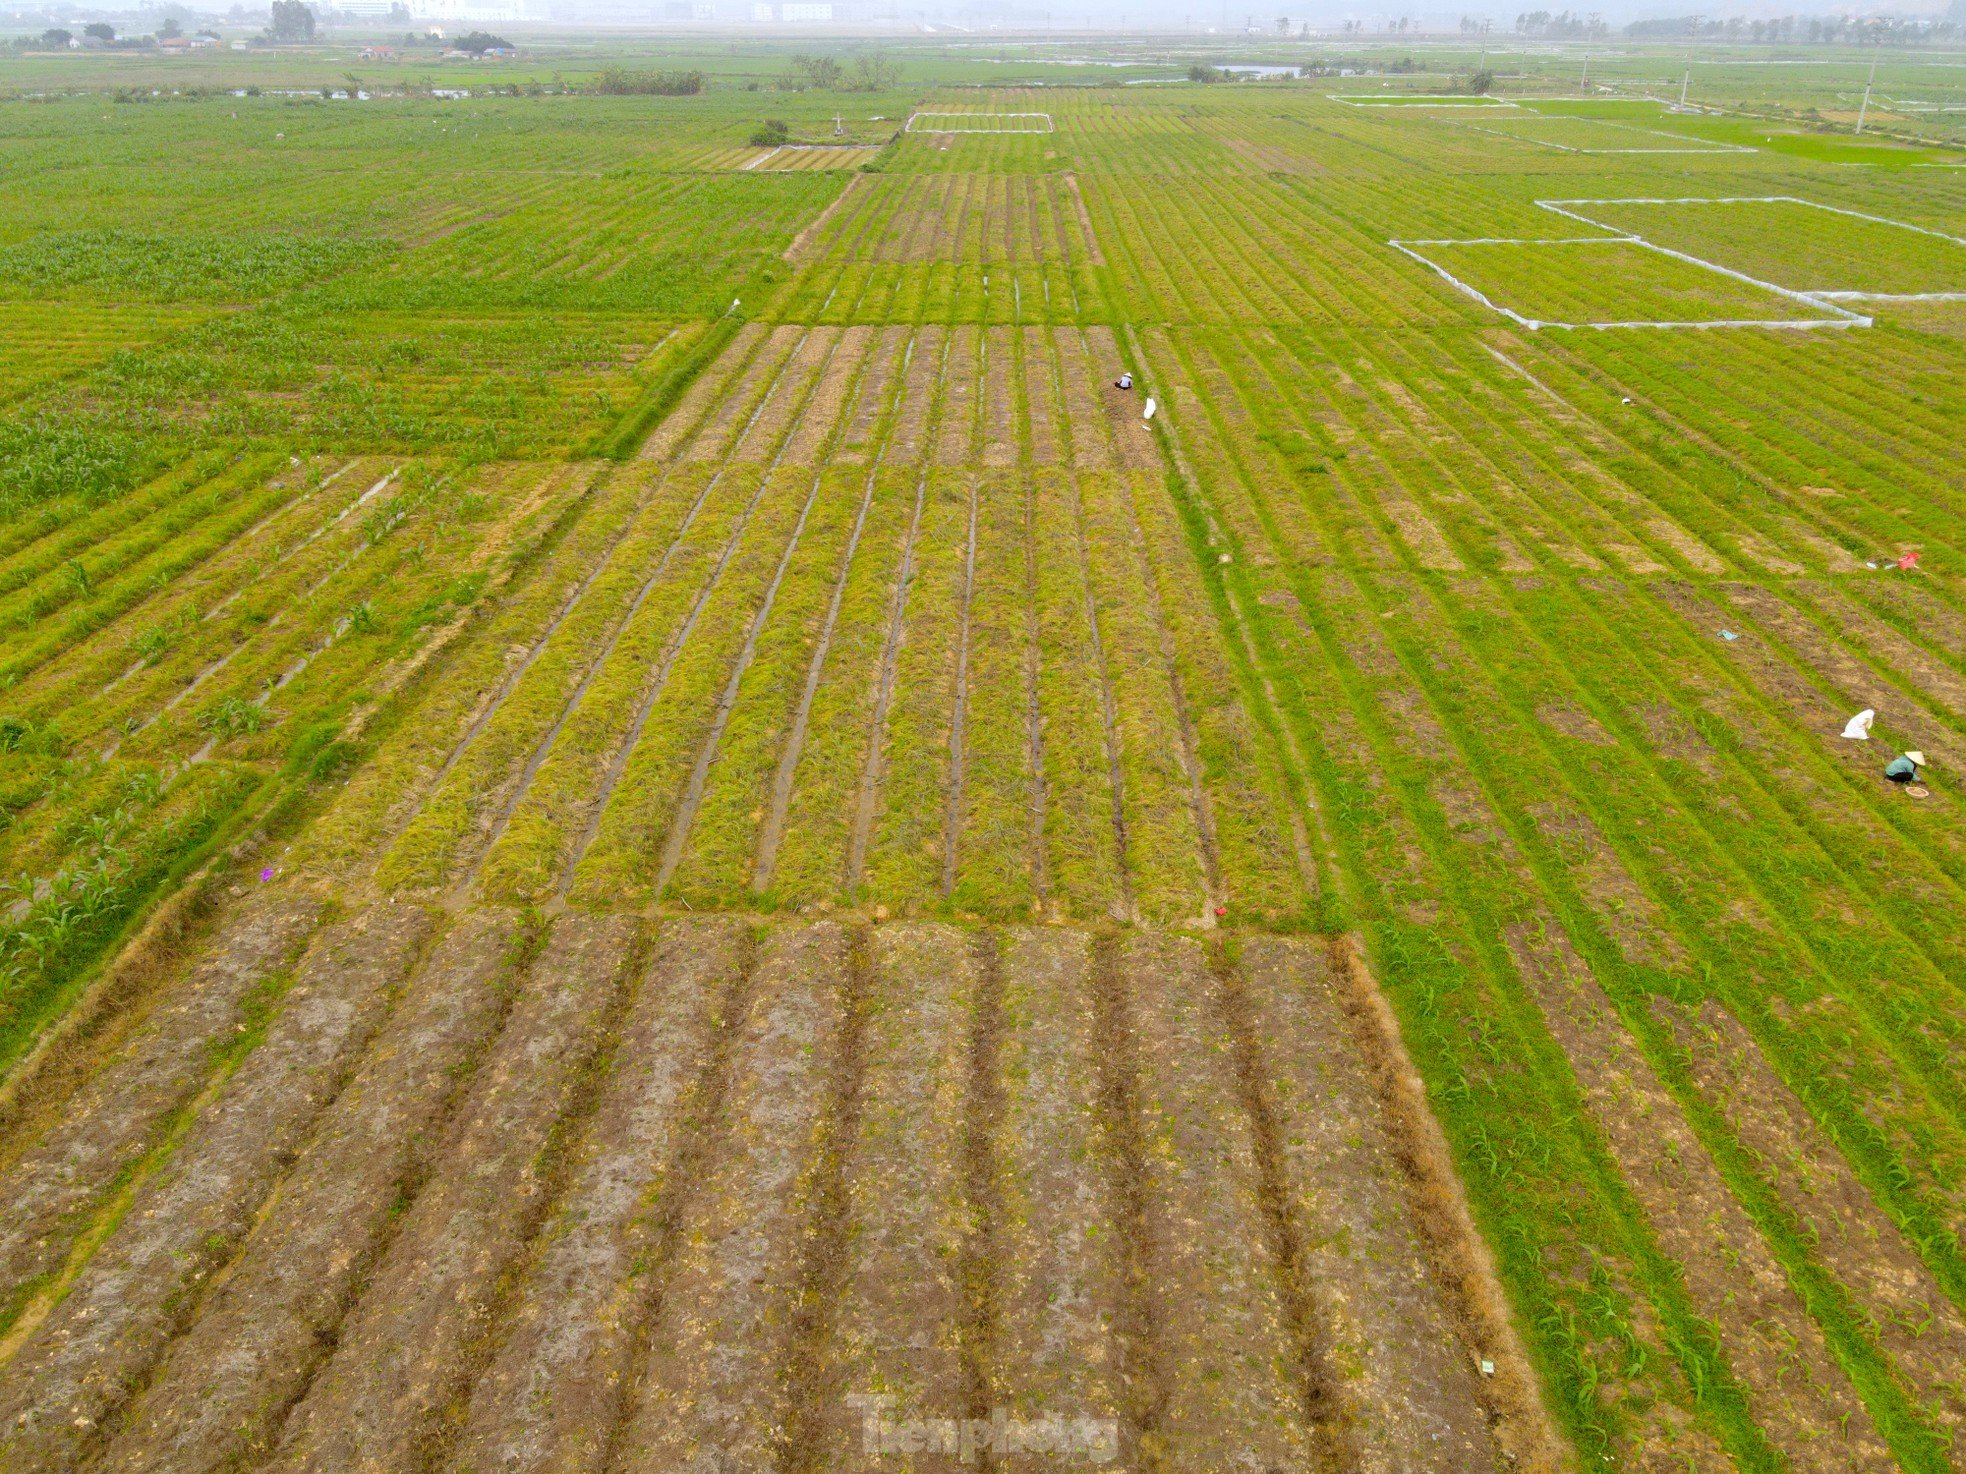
102 33
1399 27
871 72
291 21
326 14
770 133
1566 26
620 82
1869 30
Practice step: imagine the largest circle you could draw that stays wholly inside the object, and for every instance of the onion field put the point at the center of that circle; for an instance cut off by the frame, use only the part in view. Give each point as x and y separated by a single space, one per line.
645 823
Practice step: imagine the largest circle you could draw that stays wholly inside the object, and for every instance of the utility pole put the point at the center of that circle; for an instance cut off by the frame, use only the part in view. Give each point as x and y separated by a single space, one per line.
1587 71
1864 107
1683 81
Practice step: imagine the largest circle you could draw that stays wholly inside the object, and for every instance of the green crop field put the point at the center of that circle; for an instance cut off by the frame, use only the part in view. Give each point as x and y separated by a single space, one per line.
637 804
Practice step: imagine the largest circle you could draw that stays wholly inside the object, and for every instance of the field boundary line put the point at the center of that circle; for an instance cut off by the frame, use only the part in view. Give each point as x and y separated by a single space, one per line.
1742 199
1568 148
1890 296
1425 102
952 817
1841 317
673 649
1714 146
1826 296
773 832
543 749
683 821
875 767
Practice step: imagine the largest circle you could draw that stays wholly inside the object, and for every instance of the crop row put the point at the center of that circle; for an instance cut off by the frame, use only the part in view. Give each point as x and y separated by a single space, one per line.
1036 726
950 248
1133 1181
1644 880
47 341
127 750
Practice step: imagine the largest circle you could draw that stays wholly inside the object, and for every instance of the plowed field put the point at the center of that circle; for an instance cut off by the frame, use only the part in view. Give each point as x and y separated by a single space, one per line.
880 907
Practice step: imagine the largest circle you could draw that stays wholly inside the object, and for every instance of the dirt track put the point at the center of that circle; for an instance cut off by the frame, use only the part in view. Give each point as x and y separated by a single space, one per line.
610 1194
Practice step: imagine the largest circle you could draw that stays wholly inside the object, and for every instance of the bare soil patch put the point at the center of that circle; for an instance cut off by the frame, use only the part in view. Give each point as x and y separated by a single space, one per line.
229 1380
404 1354
72 1369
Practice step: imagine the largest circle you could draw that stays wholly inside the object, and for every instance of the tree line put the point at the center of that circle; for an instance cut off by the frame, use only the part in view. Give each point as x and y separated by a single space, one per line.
1866 30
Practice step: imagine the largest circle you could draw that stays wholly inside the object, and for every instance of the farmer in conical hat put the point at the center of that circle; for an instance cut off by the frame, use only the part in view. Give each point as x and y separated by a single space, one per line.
1904 769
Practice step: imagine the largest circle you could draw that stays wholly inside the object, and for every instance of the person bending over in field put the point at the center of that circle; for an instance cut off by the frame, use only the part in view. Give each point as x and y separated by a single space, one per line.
1904 769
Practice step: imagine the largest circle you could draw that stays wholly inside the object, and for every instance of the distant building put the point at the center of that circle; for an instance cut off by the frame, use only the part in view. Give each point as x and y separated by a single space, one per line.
378 53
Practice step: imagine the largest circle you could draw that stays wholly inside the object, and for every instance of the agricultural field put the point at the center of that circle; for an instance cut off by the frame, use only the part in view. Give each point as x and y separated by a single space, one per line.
646 824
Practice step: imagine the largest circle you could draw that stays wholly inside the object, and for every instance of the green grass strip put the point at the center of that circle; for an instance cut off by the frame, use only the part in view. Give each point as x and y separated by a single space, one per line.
621 443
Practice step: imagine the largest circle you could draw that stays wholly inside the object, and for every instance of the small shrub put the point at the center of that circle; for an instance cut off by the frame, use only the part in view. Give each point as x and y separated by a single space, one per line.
233 717
620 82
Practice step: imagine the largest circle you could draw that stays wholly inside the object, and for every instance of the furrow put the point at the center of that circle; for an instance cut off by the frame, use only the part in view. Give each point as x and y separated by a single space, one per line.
1410 1392
952 822
867 801
773 831
405 1353
227 1383
904 1325
707 1386
599 662
684 819
1905 1308
111 1314
553 1391
624 750
1794 1384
